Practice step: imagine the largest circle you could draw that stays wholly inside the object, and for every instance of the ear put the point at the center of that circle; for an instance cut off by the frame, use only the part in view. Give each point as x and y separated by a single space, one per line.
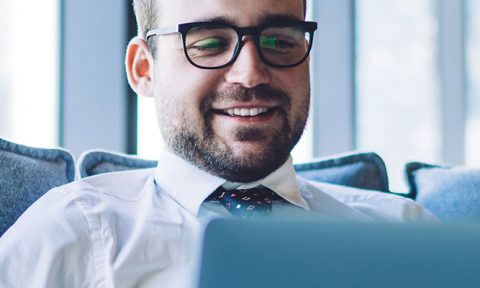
139 66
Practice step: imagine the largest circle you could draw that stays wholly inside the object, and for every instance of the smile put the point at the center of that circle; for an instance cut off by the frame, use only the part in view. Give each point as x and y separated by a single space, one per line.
246 112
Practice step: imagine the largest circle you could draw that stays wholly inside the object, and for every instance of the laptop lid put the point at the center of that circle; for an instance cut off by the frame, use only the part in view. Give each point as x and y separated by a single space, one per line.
319 254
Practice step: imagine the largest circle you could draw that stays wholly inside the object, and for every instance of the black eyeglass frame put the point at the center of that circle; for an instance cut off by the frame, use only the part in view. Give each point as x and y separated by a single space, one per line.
184 28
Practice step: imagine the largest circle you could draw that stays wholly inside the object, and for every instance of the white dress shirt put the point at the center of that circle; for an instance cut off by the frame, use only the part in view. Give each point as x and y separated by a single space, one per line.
143 228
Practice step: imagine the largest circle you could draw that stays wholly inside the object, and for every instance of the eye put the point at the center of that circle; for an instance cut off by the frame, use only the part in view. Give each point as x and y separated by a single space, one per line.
281 43
209 44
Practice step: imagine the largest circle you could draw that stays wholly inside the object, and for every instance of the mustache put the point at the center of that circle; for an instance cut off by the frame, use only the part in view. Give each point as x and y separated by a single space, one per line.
238 93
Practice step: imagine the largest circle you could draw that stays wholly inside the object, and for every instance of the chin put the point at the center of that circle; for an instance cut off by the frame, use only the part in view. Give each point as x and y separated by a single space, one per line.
248 147
254 154
251 149
251 166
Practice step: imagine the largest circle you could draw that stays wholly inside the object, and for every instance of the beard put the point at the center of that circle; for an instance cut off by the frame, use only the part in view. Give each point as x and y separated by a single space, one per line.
197 142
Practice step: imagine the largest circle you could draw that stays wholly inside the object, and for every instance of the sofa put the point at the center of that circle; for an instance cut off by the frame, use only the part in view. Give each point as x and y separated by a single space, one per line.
26 173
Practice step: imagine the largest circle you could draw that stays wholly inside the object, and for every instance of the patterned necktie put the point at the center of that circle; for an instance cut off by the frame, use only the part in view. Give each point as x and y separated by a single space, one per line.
245 203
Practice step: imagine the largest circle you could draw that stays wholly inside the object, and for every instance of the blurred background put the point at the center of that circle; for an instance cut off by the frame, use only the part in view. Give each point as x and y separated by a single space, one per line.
398 77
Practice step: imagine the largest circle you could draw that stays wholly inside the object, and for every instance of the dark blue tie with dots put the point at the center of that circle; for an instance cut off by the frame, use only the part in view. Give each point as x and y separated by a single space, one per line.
245 203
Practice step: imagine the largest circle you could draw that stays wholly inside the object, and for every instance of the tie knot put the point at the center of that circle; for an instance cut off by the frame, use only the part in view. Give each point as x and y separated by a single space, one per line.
245 202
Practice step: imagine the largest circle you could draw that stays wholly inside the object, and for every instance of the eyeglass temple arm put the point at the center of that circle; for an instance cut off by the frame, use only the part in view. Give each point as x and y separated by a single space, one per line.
162 31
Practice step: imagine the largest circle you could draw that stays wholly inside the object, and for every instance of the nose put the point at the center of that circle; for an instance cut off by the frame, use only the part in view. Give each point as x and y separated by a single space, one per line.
248 69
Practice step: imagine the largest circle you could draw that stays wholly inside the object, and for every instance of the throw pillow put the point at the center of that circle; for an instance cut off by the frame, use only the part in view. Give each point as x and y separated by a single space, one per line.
26 173
451 193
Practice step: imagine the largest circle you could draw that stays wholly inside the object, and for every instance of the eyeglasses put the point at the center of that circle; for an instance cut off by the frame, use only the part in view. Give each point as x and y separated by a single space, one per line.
212 45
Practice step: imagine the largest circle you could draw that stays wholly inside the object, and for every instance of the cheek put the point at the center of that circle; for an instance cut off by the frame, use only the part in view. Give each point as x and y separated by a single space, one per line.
180 92
296 83
300 78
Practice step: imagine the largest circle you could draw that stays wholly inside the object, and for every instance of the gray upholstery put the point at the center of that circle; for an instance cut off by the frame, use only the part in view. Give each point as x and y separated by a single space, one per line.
26 173
361 170
97 162
451 193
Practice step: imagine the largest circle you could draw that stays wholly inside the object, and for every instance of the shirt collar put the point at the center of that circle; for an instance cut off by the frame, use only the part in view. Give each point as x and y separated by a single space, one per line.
190 186
282 181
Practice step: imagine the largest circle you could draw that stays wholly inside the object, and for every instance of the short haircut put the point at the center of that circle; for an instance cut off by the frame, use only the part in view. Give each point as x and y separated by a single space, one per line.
146 12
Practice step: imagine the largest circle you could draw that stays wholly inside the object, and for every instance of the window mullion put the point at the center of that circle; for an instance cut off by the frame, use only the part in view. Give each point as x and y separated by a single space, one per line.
333 77
451 54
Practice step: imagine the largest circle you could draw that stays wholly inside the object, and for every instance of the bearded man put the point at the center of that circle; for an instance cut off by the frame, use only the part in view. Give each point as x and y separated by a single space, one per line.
231 86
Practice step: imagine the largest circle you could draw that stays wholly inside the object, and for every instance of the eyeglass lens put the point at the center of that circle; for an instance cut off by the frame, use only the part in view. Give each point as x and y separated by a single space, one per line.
215 45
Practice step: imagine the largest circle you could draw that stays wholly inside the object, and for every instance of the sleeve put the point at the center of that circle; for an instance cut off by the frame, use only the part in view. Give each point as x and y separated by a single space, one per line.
395 209
48 246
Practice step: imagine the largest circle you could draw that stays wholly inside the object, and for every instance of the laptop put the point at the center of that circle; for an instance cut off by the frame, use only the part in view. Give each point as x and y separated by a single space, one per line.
241 253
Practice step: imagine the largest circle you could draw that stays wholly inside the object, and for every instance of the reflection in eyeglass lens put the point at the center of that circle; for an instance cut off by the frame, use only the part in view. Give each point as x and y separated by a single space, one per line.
284 45
210 41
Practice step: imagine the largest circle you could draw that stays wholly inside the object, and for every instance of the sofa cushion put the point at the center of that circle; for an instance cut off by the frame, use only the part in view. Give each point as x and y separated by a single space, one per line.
26 173
361 170
95 162
451 193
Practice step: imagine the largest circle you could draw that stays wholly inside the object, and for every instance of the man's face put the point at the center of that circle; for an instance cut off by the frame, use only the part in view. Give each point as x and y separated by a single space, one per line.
194 106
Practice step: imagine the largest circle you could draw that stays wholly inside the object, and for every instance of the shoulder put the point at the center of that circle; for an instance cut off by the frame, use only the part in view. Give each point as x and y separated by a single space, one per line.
376 204
124 185
76 198
63 229
75 202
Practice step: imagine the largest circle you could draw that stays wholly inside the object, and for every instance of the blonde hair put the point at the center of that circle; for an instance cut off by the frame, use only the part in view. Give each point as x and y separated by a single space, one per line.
146 13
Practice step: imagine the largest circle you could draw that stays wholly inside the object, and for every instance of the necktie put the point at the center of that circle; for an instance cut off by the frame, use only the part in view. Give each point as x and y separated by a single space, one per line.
245 203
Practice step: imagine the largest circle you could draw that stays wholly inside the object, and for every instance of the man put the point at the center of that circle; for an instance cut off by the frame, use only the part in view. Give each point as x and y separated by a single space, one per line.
231 85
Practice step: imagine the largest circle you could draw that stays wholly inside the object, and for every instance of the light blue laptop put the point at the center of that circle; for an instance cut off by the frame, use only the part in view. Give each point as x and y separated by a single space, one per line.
320 254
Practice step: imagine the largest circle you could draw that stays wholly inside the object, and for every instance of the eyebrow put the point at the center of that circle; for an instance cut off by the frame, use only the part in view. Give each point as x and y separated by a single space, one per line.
268 18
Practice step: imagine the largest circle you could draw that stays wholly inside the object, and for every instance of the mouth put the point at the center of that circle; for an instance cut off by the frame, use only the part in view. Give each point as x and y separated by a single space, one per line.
245 111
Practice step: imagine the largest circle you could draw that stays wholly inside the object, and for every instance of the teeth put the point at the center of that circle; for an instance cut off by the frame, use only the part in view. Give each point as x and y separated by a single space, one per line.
246 111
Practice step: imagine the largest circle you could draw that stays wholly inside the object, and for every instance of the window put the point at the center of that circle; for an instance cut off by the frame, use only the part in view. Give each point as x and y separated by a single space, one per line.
149 140
473 89
29 72
398 101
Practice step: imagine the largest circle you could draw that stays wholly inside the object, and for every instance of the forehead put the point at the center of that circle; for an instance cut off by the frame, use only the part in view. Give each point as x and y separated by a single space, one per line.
240 12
